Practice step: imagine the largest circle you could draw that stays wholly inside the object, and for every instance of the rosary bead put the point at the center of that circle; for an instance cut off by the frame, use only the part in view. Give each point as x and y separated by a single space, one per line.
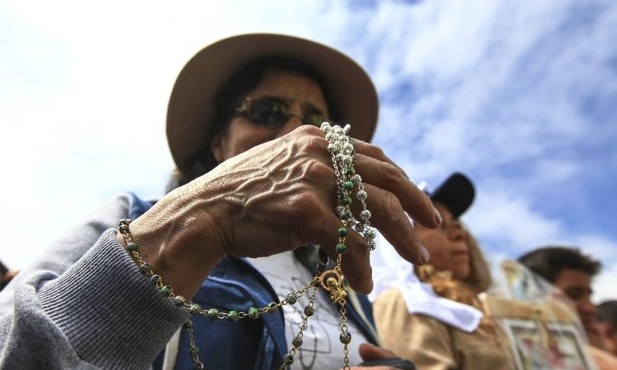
179 300
288 359
296 342
195 308
131 247
341 248
371 245
370 233
345 338
308 311
165 290
212 314
124 226
233 315
291 298
361 195
342 231
253 313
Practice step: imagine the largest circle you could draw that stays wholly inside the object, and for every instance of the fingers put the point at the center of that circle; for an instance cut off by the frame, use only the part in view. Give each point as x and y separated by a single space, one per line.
370 352
389 217
391 197
383 174
355 261
356 265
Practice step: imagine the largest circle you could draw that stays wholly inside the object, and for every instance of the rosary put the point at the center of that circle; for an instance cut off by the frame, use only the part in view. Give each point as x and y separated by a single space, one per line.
331 280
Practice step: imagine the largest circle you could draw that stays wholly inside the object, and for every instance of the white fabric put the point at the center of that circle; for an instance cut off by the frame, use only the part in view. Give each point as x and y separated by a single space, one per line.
171 351
391 271
321 347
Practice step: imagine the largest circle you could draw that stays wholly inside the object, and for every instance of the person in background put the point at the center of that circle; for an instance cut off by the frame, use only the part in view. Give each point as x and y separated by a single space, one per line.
572 272
255 178
607 318
449 331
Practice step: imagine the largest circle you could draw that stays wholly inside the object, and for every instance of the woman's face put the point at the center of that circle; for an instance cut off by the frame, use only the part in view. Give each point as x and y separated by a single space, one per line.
447 245
302 96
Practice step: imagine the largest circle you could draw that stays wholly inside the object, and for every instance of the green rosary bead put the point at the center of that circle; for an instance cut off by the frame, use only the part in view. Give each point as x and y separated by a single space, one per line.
233 315
132 246
341 248
342 232
165 290
212 314
346 200
253 313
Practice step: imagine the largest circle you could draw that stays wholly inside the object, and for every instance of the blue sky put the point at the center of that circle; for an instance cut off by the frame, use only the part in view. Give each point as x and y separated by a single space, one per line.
520 96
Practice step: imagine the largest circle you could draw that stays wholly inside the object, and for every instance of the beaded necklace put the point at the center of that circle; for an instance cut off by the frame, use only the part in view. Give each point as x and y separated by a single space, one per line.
331 280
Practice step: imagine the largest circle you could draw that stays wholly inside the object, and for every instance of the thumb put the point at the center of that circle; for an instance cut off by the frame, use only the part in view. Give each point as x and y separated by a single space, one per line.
370 352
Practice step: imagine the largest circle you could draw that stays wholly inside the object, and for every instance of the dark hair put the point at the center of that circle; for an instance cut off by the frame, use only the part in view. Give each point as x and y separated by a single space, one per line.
607 312
548 262
231 96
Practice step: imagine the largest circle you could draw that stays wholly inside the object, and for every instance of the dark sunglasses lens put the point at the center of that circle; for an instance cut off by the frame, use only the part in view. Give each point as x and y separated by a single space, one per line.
268 113
313 119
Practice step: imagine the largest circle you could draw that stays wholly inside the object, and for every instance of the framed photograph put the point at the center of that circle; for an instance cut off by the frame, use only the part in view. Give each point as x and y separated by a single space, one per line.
542 336
551 347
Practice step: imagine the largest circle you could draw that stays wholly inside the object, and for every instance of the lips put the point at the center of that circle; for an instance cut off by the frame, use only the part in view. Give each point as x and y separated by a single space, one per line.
460 253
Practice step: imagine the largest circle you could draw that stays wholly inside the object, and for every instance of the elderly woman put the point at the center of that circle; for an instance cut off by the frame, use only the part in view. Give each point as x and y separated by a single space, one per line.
255 178
447 331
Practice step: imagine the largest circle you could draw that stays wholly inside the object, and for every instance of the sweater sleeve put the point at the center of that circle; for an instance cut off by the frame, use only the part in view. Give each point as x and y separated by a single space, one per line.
100 313
419 338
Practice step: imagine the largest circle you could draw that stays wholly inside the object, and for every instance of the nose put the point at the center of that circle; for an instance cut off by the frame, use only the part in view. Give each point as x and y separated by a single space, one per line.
587 308
455 231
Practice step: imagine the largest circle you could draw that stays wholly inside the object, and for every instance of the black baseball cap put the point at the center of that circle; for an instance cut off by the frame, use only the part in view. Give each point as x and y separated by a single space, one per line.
456 193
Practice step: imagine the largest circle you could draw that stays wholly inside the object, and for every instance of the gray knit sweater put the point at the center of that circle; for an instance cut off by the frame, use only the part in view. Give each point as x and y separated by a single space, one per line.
85 305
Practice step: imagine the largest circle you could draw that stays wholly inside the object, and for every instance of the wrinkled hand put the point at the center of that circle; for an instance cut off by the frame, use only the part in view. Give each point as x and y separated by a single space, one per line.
275 197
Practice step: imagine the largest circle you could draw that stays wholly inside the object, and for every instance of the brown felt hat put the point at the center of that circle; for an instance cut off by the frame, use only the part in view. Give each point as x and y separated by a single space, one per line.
190 113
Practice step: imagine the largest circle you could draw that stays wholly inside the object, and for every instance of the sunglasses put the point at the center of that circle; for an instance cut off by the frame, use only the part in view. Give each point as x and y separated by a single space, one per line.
272 113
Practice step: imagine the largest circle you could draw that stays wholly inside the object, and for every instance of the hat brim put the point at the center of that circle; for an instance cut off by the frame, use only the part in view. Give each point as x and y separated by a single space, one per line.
456 193
190 113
